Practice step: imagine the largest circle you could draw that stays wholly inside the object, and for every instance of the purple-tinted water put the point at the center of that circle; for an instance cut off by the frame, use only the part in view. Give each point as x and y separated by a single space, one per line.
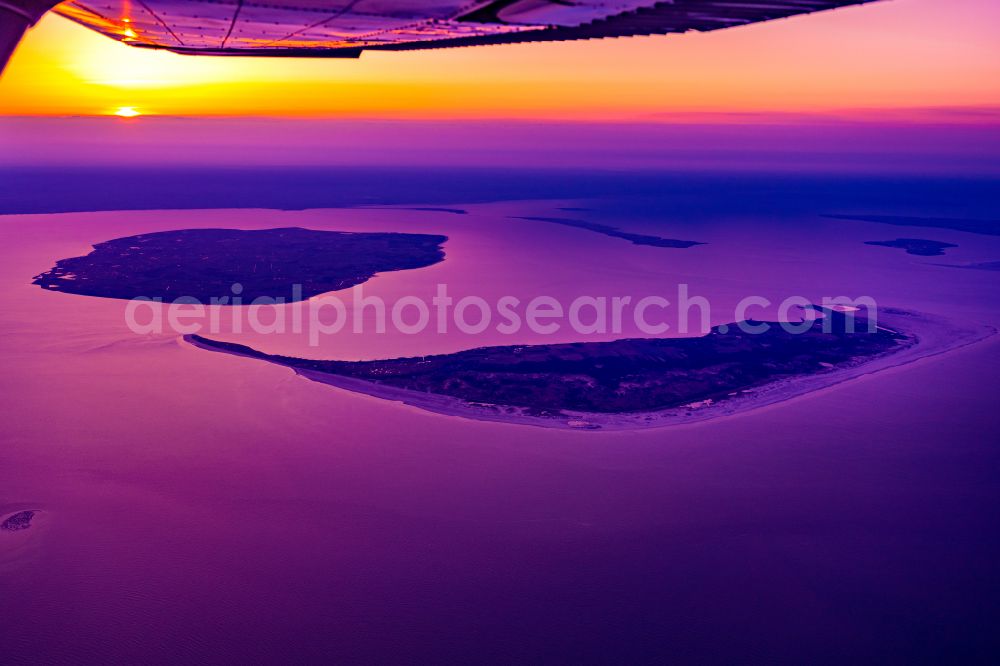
204 507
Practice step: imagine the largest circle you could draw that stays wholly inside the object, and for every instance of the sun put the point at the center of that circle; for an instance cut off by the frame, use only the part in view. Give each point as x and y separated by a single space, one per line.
127 112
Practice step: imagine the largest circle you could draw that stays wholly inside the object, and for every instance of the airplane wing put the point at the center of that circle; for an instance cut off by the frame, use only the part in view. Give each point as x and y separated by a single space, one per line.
345 28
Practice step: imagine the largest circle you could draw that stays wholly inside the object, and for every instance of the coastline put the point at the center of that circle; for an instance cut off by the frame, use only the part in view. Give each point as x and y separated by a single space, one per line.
928 335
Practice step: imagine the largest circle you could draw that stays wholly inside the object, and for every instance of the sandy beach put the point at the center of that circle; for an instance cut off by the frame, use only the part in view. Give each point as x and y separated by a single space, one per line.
926 335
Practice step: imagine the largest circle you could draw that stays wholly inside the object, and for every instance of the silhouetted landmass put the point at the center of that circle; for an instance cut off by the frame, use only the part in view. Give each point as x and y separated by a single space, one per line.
206 263
622 376
432 209
971 225
425 209
631 194
615 232
983 266
18 521
918 246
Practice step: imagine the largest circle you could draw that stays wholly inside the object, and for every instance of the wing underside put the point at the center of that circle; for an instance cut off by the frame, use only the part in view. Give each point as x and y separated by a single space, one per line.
345 28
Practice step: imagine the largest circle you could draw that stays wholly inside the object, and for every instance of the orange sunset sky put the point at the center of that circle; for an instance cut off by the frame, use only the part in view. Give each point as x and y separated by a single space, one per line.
896 55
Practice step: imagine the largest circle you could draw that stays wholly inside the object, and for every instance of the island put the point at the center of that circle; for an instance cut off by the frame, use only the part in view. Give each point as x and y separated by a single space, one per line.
205 263
17 521
422 209
983 226
436 209
981 266
614 232
917 246
636 382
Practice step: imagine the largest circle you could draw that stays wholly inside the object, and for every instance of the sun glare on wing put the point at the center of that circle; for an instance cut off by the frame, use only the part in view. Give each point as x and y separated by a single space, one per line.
127 112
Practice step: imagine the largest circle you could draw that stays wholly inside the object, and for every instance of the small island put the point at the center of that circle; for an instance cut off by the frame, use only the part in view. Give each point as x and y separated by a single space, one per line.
981 266
971 225
421 209
917 246
206 263
614 232
17 521
638 382
436 209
